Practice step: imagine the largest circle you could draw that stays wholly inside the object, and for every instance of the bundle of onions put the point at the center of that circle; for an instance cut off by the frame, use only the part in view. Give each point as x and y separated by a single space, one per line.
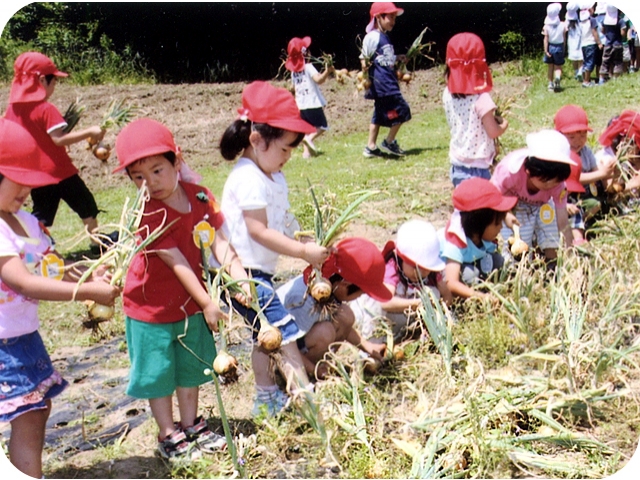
116 115
120 254
363 81
342 75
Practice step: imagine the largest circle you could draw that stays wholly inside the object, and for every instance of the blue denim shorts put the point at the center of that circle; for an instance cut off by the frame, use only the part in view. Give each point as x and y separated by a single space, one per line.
273 310
557 54
458 174
27 377
589 57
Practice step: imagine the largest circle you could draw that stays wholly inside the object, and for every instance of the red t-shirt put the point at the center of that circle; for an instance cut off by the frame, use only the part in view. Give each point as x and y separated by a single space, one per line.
152 293
40 118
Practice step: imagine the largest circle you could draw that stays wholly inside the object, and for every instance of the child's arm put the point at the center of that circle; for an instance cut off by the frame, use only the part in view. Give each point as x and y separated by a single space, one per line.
545 42
562 220
14 273
605 171
62 139
180 267
491 125
445 293
311 252
456 287
224 252
399 304
376 350
320 78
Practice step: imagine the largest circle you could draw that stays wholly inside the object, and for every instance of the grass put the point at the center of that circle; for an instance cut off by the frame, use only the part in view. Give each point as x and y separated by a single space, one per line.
516 363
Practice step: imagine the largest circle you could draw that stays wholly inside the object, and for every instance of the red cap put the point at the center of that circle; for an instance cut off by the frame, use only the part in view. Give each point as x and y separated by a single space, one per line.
378 8
573 182
20 157
264 103
27 68
468 70
295 50
628 124
476 193
142 138
571 118
359 262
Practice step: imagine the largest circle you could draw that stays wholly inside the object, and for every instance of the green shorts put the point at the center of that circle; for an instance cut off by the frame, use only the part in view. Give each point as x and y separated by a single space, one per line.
160 363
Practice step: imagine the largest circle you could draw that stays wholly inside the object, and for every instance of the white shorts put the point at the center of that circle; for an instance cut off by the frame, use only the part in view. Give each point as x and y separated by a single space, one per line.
538 225
626 53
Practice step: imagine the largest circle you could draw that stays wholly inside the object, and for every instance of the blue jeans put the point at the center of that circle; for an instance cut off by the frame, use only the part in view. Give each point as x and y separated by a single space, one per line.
458 174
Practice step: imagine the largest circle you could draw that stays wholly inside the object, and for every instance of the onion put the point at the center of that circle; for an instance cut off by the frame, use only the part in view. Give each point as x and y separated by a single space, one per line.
320 288
101 151
225 364
407 77
100 312
269 337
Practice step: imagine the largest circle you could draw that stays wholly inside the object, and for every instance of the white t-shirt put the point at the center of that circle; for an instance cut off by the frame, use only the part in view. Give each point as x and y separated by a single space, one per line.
19 314
587 26
555 33
248 188
470 144
308 94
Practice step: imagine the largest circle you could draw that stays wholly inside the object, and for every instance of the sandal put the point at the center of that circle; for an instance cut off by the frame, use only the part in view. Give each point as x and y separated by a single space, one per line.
205 439
174 445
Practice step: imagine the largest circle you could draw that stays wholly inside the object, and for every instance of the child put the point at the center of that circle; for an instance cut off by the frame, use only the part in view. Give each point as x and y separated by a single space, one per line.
411 262
536 175
378 61
166 304
624 127
354 267
614 29
469 109
574 34
34 81
29 271
590 42
554 36
309 98
255 204
468 242
572 122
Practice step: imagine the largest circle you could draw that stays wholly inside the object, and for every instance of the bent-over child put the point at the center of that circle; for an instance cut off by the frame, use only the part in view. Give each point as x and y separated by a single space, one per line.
306 82
468 242
34 82
30 271
412 262
168 309
255 203
470 110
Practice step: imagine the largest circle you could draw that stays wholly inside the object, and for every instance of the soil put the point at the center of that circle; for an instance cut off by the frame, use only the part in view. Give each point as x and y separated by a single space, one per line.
94 410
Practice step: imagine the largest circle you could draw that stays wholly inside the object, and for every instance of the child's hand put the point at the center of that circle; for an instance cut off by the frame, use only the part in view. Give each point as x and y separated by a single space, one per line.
314 254
244 298
212 314
95 134
100 292
572 209
376 350
608 167
510 220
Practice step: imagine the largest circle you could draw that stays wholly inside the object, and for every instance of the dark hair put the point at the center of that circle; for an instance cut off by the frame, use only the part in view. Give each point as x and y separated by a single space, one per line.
573 24
546 169
351 288
236 137
49 77
475 222
171 156
447 72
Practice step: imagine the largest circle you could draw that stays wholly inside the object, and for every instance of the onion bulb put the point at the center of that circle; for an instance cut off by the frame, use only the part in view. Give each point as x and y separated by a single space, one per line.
101 151
269 337
100 312
225 364
407 77
518 246
320 288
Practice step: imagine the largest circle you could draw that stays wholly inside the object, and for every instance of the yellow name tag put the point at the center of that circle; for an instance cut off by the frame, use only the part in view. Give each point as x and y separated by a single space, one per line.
203 234
52 266
547 214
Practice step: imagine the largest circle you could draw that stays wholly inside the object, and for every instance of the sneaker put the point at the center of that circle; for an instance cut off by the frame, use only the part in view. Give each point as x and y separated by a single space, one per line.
602 81
203 438
393 148
309 144
175 445
550 87
556 84
587 84
376 152
269 403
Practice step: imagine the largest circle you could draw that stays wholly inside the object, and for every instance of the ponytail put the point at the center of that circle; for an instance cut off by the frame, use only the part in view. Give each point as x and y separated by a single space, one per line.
235 139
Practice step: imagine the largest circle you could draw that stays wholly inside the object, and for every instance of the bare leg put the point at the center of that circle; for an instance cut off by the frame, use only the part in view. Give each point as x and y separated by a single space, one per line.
373 136
162 411
188 405
393 131
27 441
260 365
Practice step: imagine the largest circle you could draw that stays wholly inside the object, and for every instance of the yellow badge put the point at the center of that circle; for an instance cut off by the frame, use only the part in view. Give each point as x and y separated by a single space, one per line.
52 266
204 234
547 214
593 189
563 194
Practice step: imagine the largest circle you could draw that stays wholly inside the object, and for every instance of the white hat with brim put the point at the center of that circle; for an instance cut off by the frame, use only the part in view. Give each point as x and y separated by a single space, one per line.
417 242
553 14
549 145
601 8
611 15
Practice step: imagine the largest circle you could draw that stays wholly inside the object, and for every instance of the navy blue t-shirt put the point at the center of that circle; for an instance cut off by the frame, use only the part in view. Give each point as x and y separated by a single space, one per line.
382 74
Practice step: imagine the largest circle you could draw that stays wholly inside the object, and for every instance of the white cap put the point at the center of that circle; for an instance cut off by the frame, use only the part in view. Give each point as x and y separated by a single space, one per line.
417 242
601 8
550 145
572 11
611 15
553 14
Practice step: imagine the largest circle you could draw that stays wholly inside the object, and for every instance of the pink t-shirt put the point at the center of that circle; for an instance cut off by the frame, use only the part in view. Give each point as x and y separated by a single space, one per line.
152 293
511 179
40 119
19 314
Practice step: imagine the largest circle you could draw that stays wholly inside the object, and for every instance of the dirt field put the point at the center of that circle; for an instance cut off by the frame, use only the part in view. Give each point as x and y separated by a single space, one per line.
94 410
